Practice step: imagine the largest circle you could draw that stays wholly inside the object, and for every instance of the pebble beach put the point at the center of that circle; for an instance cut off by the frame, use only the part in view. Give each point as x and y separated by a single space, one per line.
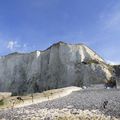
86 104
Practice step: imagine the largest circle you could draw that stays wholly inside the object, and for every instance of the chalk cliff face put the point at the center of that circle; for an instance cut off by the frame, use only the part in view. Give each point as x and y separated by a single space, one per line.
59 66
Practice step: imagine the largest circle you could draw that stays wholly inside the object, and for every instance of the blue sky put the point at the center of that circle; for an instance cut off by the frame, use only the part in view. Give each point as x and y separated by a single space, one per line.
28 25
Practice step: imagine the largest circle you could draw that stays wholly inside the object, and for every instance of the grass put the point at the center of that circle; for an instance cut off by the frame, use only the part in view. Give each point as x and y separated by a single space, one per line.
92 61
3 97
1 102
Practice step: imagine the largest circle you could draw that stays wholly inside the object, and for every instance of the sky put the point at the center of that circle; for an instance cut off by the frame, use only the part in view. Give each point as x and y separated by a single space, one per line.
29 25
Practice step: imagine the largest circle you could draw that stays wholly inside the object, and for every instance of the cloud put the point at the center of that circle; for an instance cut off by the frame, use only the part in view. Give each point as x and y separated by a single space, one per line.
112 62
16 46
13 45
108 33
110 18
24 45
113 22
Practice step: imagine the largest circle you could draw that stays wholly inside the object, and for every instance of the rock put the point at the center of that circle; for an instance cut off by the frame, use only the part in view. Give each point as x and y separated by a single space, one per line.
58 66
117 73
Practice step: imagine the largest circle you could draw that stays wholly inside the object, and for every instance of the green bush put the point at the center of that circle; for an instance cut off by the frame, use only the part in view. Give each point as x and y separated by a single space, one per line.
1 102
14 94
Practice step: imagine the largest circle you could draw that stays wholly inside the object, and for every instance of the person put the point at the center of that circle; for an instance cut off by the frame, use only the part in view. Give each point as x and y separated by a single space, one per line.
105 104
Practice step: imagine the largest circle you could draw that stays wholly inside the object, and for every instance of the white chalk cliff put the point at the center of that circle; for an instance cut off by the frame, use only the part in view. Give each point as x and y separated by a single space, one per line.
60 65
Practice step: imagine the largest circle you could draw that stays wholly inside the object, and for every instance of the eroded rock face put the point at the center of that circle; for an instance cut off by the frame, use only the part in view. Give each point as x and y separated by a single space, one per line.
117 73
59 66
117 70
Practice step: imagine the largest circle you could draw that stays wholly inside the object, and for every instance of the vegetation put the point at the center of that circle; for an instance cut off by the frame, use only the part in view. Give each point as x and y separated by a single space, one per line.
1 102
10 100
14 94
93 61
90 62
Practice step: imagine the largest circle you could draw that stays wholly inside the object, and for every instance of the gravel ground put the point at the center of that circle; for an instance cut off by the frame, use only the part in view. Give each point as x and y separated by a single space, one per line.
87 99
